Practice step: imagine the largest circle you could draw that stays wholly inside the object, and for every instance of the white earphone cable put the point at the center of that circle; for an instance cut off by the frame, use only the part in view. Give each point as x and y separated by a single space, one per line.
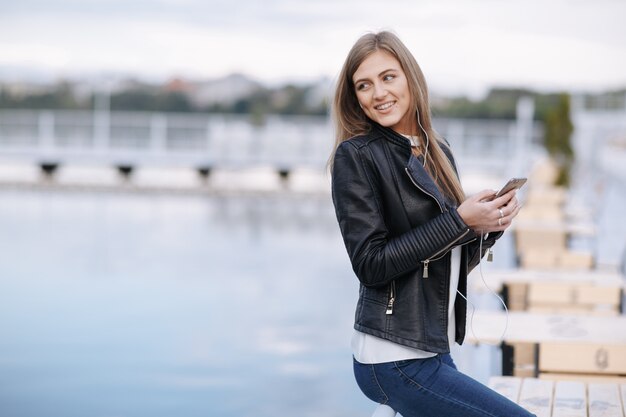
480 267
473 308
426 134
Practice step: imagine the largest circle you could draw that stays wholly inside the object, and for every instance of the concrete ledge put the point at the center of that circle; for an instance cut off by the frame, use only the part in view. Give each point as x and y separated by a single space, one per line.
257 179
86 176
11 172
166 177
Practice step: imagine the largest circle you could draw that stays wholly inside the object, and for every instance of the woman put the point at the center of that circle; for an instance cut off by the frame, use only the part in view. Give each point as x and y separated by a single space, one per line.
411 234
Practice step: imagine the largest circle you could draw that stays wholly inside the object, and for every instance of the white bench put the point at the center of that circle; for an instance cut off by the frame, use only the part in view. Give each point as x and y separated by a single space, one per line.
554 343
384 411
547 398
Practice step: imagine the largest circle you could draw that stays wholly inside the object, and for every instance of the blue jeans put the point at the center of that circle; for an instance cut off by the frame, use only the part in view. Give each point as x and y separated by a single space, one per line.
431 387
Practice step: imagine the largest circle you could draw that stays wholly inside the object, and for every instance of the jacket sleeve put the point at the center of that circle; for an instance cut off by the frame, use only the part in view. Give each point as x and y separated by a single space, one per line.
474 252
376 256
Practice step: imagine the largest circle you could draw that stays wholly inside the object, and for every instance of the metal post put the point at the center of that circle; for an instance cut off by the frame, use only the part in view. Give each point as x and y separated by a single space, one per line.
102 119
523 134
158 133
46 132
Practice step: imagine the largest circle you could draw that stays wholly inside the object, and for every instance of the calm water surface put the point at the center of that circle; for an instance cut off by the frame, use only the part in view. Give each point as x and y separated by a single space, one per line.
131 305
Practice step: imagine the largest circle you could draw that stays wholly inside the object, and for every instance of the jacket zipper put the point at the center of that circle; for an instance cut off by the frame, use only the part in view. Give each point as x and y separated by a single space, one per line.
440 254
392 297
423 190
435 256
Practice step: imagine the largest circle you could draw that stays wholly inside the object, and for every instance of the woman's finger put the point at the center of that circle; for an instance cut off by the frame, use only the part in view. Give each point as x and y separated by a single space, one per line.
503 199
508 219
484 195
510 206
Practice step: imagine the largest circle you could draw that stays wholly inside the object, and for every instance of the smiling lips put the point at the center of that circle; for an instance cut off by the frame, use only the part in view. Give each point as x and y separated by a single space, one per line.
385 106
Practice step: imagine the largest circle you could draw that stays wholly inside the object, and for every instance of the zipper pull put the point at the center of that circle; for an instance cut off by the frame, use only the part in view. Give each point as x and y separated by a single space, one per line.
390 306
425 275
489 255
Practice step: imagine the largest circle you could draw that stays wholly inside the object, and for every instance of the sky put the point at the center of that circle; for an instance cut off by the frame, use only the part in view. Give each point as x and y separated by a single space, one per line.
463 46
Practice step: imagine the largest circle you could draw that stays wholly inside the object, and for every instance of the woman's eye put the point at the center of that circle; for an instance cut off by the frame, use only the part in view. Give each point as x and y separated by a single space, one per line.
389 77
362 86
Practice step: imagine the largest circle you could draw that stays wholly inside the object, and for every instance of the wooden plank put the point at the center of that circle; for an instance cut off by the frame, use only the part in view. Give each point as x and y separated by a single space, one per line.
525 371
551 292
559 309
575 294
507 386
598 310
540 214
568 227
533 257
570 399
595 294
585 378
524 359
575 260
496 278
533 237
524 354
604 400
536 396
516 296
534 328
547 196
592 358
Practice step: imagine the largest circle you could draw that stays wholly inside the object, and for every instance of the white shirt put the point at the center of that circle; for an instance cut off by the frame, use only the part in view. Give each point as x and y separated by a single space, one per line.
370 349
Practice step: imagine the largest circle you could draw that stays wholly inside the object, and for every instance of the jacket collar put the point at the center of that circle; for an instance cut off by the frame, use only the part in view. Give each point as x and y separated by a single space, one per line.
392 135
414 167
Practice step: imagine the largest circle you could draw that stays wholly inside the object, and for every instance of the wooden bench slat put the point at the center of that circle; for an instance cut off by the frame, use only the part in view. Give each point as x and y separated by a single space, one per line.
595 310
547 398
507 386
559 293
570 399
535 328
536 396
584 378
604 400
593 358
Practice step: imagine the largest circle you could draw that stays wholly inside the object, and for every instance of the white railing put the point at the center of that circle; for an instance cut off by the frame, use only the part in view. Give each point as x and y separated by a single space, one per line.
216 140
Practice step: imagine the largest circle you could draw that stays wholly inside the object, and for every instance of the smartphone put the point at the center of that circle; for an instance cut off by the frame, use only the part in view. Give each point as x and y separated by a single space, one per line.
512 184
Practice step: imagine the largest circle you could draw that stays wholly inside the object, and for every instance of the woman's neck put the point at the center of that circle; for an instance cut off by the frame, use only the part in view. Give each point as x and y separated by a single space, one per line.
415 140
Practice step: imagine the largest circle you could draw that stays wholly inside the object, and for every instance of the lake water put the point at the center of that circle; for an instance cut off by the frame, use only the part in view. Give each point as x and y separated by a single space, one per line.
129 305
135 305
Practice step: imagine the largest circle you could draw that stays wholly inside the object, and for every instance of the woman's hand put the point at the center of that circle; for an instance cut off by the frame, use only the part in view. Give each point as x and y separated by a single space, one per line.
484 215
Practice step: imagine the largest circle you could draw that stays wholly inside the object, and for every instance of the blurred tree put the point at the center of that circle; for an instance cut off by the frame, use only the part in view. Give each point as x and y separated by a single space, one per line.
136 99
499 103
173 102
290 100
558 130
59 96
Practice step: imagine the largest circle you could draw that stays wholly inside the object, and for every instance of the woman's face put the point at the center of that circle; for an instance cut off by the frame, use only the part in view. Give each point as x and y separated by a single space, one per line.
383 92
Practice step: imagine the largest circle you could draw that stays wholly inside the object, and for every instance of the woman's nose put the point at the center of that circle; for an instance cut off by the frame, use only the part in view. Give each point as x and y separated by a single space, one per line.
379 91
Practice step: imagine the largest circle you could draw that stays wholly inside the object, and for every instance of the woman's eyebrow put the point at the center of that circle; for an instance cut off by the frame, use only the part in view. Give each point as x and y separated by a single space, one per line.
380 74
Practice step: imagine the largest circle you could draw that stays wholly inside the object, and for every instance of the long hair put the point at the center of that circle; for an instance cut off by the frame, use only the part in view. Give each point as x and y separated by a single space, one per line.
350 120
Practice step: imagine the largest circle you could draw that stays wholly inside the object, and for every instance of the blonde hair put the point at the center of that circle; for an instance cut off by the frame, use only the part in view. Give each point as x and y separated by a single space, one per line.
350 120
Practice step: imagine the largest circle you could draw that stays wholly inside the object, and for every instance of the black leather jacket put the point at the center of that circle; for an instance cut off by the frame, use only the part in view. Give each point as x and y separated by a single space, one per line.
399 229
